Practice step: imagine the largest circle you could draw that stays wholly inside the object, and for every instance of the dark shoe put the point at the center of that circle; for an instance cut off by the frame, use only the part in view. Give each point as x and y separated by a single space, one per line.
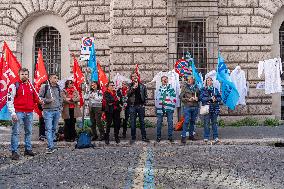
124 135
192 138
158 139
95 137
107 141
170 139
29 153
15 156
183 140
145 140
132 141
117 140
102 138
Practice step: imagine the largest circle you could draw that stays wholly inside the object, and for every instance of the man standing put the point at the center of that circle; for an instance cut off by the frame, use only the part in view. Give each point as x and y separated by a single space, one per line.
165 101
137 96
189 97
51 96
21 100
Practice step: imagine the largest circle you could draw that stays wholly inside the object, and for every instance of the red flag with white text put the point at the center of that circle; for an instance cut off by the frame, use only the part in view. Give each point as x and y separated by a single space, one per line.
40 72
138 73
40 77
9 73
78 79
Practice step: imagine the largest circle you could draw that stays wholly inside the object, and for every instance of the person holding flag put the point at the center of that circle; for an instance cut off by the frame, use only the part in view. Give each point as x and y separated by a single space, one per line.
190 100
21 100
211 97
51 95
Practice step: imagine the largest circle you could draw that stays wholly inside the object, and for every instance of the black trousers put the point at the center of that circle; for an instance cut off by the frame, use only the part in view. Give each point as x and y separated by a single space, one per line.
41 127
113 118
125 120
69 126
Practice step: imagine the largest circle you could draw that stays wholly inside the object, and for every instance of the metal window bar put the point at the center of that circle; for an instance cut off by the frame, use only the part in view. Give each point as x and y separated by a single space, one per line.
281 42
49 40
193 26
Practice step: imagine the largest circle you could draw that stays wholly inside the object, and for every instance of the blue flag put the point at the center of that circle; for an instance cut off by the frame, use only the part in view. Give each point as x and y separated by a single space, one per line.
196 75
5 114
93 64
230 94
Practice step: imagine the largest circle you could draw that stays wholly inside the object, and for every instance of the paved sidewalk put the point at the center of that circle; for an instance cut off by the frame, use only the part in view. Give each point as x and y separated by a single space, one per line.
228 135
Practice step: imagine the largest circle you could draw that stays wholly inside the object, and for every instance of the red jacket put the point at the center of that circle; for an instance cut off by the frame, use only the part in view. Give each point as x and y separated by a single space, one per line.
25 98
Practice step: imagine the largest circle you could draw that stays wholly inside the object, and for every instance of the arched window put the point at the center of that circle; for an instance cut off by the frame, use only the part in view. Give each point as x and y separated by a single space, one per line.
49 40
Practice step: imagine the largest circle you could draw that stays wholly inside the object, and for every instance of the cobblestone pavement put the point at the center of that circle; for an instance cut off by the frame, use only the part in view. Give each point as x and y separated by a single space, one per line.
153 165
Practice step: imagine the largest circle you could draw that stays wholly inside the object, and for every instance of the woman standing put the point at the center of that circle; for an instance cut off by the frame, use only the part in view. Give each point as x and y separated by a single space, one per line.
112 109
210 96
95 105
71 110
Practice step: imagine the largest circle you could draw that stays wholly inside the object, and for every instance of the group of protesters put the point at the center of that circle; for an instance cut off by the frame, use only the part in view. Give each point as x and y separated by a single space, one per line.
117 103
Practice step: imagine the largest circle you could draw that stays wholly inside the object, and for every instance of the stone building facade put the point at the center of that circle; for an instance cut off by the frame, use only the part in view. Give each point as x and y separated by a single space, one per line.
149 33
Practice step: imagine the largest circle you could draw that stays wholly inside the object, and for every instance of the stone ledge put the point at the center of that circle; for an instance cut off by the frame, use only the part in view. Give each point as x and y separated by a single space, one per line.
146 40
245 39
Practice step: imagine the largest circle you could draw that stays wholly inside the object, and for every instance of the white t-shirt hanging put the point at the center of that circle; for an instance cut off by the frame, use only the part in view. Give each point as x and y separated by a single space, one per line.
272 69
173 79
239 79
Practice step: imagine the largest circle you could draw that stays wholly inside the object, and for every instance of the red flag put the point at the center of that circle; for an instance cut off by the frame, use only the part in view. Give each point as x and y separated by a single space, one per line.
40 72
103 80
40 77
9 74
78 79
138 73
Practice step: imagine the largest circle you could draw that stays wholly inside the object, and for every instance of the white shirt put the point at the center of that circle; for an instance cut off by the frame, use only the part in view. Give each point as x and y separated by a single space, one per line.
272 69
239 79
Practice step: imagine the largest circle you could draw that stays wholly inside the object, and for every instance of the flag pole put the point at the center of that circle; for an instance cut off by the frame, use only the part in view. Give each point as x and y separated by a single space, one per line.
50 89
33 88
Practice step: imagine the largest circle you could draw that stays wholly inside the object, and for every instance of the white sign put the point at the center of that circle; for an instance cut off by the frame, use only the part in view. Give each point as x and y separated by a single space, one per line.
260 85
86 47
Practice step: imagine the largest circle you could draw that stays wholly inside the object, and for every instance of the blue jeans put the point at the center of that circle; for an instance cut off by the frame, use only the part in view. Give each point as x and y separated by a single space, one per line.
133 111
51 119
210 119
27 120
170 124
190 115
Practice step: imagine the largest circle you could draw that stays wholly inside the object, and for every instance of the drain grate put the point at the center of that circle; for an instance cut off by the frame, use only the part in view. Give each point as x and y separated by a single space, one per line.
279 144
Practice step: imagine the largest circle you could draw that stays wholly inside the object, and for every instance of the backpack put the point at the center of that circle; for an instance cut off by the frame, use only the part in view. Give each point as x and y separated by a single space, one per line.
84 141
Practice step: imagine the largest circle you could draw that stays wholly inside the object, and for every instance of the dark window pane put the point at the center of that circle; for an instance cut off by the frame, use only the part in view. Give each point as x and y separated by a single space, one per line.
49 40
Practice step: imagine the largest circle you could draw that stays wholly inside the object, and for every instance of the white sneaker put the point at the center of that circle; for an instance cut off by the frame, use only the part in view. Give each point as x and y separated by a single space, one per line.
216 140
50 151
206 140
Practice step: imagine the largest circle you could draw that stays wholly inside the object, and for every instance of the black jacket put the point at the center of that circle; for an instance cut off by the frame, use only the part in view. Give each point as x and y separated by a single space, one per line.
111 104
131 94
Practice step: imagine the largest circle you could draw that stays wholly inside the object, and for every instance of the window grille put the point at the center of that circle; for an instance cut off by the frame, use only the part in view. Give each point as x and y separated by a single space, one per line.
49 40
193 27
